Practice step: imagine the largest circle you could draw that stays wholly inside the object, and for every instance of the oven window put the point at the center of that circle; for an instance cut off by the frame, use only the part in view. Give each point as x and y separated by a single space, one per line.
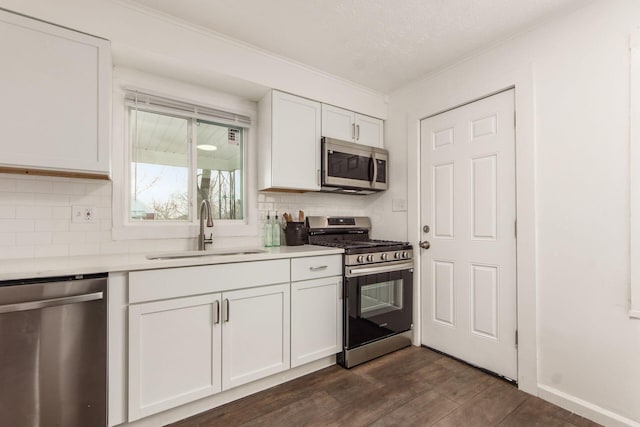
380 298
378 305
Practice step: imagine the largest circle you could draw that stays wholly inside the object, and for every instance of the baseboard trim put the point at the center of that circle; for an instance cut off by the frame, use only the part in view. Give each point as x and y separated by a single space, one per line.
584 408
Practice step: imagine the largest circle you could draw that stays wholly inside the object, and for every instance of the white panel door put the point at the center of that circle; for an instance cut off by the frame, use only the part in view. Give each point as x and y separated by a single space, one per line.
316 319
468 202
174 353
255 334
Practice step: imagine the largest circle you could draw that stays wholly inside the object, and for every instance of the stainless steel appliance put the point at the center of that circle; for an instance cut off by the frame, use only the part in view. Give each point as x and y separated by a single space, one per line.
377 291
353 168
53 352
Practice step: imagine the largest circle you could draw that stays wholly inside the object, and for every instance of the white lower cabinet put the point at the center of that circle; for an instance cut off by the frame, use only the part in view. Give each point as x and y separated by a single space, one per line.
174 353
255 335
184 349
197 331
316 319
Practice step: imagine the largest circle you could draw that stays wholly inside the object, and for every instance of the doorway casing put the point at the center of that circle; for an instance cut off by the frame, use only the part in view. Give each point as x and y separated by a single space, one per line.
523 82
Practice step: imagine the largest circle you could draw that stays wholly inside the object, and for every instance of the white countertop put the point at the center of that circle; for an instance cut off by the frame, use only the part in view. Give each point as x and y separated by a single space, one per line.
65 266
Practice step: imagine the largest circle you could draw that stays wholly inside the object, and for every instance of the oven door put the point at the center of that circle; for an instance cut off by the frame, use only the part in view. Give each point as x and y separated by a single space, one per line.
378 302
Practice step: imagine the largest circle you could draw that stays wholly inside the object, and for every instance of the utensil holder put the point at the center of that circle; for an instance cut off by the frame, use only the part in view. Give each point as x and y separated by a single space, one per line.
296 234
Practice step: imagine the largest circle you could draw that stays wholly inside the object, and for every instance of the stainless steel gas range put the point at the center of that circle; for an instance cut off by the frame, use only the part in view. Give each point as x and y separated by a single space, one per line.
377 287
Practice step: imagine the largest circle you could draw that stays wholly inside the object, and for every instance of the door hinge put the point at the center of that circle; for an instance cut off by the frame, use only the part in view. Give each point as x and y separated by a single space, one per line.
516 338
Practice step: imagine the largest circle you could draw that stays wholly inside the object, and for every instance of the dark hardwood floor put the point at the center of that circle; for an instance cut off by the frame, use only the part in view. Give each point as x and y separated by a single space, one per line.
411 387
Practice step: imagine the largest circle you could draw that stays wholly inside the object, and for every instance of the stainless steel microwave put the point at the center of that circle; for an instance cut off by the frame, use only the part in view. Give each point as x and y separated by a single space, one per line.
353 168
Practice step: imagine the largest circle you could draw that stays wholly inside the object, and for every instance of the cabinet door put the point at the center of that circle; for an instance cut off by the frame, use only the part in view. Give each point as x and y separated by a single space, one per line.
255 334
338 123
55 97
295 157
316 319
369 131
174 353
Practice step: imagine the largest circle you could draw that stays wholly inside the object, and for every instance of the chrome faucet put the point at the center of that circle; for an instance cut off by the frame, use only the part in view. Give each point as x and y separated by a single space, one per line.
202 240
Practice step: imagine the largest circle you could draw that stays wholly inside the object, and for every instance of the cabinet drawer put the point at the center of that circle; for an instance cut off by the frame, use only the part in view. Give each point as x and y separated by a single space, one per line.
150 285
315 267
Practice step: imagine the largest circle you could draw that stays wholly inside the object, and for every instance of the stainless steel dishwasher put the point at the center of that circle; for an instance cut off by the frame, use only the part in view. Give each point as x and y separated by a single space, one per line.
53 352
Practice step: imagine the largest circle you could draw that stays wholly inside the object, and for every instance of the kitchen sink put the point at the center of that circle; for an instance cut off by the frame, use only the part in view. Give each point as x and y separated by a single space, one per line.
212 252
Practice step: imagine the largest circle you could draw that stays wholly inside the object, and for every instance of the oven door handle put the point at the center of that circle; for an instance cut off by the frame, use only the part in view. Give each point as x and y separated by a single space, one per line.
361 271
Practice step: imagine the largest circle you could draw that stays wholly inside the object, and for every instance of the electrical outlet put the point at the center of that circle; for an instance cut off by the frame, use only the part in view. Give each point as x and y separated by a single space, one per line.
83 214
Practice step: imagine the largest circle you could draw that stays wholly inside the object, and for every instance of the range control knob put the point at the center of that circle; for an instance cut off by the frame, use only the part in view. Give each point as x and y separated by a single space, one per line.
360 259
405 255
370 258
397 255
384 257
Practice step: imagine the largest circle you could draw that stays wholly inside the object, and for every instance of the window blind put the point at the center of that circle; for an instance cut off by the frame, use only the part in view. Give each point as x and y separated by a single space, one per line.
141 99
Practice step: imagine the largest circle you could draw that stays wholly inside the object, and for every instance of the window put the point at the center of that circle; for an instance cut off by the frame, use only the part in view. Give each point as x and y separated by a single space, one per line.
181 154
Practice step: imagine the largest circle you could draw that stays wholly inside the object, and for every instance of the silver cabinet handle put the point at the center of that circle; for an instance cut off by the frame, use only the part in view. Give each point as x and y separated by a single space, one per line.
357 132
320 267
226 314
353 131
217 319
34 305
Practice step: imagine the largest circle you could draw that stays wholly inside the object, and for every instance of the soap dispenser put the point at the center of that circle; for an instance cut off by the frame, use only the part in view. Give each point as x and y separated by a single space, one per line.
268 231
275 241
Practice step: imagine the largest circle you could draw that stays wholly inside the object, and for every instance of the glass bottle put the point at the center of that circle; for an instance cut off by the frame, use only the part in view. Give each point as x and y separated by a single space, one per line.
275 241
268 231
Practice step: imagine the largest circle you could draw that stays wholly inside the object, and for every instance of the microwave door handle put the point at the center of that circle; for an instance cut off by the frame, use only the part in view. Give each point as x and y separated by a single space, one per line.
375 170
371 169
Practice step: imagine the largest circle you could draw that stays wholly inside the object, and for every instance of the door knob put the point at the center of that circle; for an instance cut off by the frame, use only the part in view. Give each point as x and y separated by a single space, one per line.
425 245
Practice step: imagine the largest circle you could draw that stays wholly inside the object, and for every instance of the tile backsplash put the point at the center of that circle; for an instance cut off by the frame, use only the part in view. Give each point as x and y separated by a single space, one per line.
309 203
35 217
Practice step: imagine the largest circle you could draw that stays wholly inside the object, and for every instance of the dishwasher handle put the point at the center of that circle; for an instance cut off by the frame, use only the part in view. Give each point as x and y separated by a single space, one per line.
35 305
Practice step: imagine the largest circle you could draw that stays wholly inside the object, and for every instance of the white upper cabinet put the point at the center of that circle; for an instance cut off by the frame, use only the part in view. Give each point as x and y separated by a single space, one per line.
346 125
55 86
338 123
289 141
369 131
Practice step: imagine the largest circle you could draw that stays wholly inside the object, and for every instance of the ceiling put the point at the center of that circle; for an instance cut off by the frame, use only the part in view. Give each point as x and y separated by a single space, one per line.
379 44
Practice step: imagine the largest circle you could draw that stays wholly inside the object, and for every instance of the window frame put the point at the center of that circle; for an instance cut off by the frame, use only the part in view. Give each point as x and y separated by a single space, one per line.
123 228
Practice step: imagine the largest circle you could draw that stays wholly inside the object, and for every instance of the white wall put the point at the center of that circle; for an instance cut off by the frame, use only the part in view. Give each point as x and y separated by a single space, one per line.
572 83
165 45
